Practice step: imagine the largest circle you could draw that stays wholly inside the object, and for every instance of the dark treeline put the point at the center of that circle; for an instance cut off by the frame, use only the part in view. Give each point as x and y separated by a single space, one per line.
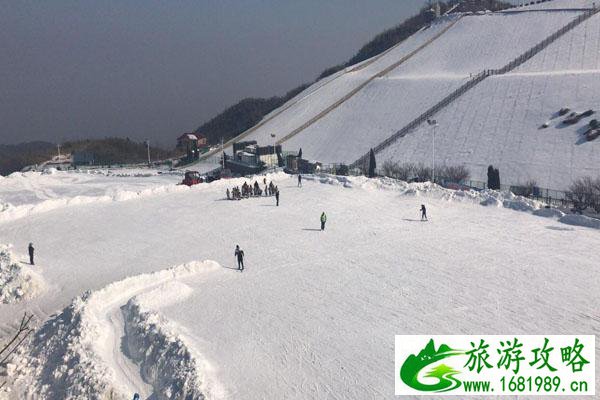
107 151
13 157
248 112
112 150
242 116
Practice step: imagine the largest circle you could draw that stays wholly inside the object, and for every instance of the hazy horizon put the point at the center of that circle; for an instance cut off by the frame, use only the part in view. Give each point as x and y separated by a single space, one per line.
76 70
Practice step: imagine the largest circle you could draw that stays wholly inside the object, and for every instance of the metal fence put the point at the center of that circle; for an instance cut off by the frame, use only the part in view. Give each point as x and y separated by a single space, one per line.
552 197
471 83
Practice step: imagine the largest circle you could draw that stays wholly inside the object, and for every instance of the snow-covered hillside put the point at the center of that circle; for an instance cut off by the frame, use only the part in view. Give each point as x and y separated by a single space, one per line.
313 315
499 121
339 119
326 93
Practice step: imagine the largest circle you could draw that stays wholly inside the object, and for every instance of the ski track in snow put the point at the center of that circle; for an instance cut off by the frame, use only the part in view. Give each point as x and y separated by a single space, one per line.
127 373
102 342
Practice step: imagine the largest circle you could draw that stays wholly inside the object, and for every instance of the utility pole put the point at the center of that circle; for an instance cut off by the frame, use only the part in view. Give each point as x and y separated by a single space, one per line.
148 148
222 153
58 147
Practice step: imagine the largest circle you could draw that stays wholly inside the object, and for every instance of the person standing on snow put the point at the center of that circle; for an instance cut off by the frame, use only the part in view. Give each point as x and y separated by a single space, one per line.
323 220
299 180
277 196
239 253
31 250
423 213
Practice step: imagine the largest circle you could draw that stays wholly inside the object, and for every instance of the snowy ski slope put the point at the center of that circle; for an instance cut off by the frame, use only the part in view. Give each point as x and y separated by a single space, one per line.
557 5
391 102
314 313
498 122
364 119
328 91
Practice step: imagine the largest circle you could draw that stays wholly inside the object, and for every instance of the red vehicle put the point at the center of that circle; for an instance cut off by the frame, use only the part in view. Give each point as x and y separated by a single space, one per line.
192 178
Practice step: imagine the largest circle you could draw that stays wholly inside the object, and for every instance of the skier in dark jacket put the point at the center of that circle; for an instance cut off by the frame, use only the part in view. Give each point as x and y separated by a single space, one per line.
277 197
323 220
299 180
423 213
31 250
239 253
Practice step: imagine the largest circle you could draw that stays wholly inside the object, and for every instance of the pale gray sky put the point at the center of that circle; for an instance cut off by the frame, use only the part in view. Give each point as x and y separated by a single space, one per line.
155 69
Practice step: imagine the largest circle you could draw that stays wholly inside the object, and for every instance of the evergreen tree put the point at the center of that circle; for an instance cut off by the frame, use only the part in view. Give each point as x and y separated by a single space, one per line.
490 176
300 153
372 164
493 178
497 178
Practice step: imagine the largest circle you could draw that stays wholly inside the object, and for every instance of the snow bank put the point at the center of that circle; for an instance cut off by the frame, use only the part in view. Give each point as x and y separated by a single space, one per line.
488 198
9 212
549 213
17 282
165 360
580 220
72 355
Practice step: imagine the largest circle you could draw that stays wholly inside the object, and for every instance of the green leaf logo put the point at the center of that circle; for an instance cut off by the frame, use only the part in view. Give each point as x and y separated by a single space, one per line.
413 365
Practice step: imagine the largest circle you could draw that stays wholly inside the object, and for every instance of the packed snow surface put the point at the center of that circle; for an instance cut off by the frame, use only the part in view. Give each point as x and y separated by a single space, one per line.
557 5
18 281
314 313
27 193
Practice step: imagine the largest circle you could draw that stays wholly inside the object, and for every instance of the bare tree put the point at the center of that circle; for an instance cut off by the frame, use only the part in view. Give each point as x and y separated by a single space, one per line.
581 193
15 341
529 187
455 173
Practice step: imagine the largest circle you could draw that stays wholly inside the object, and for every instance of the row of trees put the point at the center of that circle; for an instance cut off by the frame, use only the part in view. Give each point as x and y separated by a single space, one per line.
16 157
421 173
585 193
242 116
106 151
114 150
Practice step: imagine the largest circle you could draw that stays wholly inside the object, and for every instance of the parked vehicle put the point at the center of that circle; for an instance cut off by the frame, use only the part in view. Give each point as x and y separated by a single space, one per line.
192 178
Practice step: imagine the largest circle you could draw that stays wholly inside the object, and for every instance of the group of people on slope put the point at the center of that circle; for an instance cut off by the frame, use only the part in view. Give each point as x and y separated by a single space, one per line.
247 191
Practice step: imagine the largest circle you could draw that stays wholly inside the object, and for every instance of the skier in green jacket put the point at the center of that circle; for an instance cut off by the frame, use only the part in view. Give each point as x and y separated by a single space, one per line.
323 220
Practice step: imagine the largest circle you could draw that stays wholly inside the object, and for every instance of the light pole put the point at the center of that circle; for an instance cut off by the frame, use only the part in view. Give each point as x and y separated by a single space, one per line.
433 123
274 151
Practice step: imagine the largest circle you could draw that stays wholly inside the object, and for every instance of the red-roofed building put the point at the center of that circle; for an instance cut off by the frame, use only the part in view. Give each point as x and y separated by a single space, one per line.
190 141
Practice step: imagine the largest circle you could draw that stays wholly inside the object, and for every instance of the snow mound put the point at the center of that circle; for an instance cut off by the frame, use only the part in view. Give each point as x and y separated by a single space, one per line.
9 212
17 282
580 220
80 337
549 213
165 360
50 171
